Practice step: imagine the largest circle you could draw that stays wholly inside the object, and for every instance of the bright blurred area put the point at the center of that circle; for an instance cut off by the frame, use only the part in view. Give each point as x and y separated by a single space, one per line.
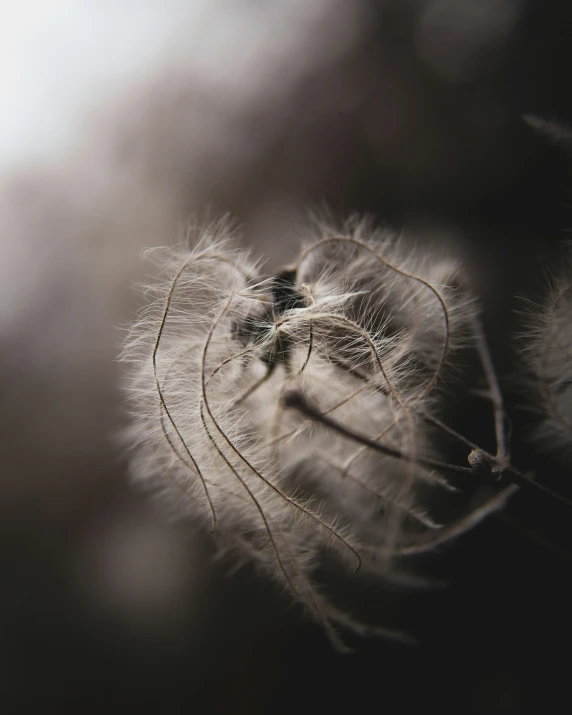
120 122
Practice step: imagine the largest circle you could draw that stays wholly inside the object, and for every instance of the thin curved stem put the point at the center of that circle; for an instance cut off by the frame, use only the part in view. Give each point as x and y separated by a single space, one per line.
341 319
457 528
162 401
245 461
295 400
364 246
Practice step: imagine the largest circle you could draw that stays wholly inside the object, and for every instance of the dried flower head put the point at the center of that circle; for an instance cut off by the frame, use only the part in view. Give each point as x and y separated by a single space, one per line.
293 413
548 356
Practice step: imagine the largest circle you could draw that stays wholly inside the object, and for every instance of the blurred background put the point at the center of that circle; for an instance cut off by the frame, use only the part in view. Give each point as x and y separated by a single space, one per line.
120 121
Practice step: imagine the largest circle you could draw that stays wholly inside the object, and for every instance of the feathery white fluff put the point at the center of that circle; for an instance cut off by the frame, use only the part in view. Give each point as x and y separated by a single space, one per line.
547 348
362 328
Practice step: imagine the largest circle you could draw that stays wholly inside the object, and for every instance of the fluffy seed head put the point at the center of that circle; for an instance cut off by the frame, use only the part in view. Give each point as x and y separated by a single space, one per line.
360 329
547 347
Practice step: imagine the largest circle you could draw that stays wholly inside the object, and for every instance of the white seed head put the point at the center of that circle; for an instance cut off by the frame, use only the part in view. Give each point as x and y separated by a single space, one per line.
547 348
360 328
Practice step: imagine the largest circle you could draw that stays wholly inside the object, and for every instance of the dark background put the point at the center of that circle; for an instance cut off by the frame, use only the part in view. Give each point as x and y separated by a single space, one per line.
438 123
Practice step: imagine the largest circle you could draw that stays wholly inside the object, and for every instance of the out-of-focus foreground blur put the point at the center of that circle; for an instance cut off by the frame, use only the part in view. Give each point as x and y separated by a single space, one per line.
119 123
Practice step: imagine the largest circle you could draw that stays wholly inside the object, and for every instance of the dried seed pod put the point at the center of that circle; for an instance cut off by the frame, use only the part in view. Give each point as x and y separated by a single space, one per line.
547 350
361 329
